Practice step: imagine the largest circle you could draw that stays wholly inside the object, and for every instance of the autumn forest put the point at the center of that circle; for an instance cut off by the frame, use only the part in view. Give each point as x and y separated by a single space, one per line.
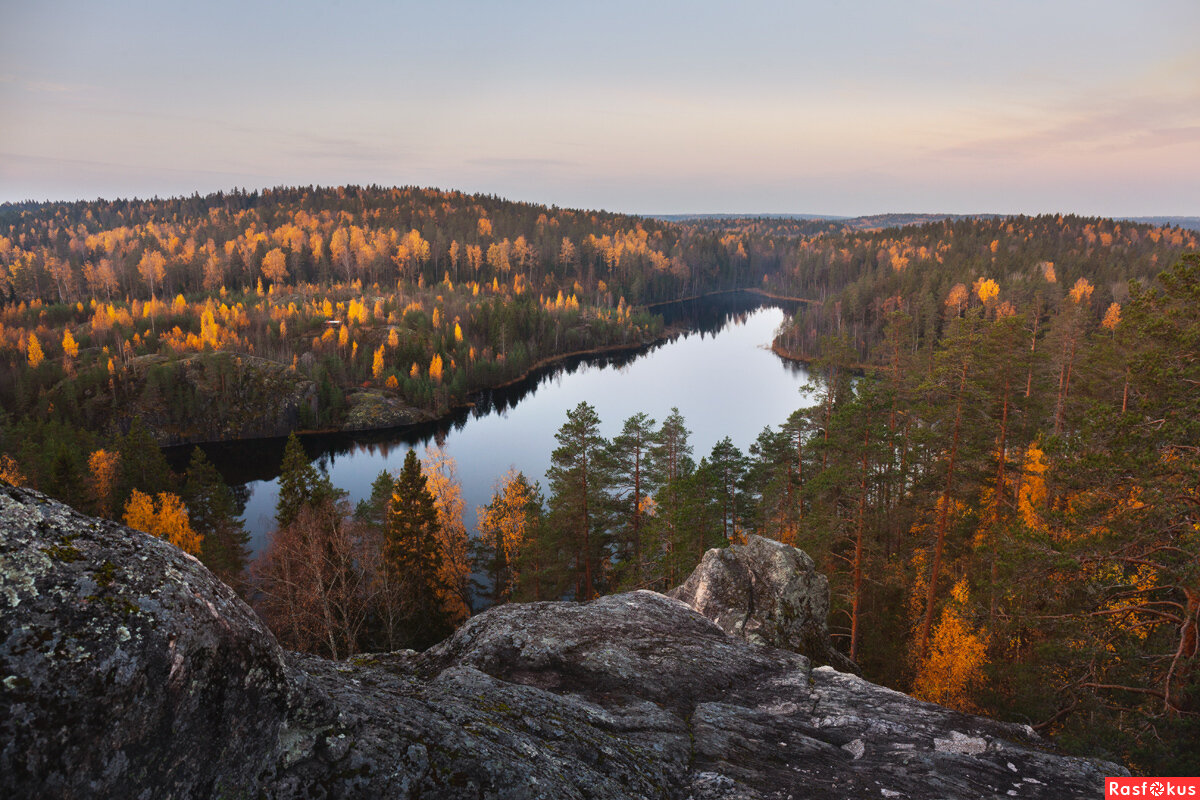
1000 475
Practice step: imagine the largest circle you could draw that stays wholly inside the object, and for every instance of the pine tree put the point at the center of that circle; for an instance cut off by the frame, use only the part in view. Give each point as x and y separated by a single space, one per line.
578 481
634 481
671 461
729 467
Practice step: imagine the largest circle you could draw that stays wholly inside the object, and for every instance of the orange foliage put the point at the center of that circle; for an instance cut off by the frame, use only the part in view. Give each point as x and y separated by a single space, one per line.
953 668
10 471
69 345
103 466
166 518
1112 317
33 352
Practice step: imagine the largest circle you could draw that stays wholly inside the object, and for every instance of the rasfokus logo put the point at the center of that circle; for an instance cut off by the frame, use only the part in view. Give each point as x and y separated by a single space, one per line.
1151 787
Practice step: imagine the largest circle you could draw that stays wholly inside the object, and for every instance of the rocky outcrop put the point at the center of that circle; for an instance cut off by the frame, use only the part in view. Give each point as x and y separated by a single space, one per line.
209 397
766 593
371 410
126 665
129 671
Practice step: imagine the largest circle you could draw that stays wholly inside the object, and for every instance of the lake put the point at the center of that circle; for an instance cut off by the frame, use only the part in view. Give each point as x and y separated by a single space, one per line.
721 374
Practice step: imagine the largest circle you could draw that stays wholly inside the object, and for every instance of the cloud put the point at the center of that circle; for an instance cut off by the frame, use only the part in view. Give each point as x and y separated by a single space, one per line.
51 87
521 163
1115 124
345 150
17 166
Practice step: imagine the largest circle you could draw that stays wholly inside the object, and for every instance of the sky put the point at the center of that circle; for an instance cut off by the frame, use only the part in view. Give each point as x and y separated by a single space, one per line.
828 107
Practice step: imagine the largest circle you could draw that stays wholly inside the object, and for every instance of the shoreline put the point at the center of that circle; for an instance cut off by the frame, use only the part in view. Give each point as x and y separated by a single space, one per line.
431 417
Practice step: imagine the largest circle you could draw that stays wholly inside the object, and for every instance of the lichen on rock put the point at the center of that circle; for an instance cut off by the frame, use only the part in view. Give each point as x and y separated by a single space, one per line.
128 670
767 593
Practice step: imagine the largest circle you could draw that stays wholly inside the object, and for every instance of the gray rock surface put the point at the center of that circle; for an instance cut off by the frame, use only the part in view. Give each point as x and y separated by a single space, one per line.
766 593
373 410
127 670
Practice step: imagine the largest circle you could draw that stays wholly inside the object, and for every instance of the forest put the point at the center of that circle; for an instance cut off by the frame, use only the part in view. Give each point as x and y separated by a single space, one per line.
1001 477
1008 530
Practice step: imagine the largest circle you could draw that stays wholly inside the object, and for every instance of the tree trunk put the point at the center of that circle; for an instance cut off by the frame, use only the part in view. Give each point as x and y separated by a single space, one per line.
943 518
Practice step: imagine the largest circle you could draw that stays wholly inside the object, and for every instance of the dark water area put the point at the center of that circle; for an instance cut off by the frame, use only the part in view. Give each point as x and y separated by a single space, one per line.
719 371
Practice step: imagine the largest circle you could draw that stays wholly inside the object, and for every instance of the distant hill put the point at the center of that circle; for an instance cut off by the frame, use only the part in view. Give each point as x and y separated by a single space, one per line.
696 217
874 222
865 223
1191 223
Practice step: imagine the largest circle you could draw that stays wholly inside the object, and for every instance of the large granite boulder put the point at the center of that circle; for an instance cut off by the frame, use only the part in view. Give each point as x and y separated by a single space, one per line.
126 665
127 670
766 593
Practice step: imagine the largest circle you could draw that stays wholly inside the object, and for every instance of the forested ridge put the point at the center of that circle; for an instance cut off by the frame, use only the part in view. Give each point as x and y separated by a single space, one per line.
1001 476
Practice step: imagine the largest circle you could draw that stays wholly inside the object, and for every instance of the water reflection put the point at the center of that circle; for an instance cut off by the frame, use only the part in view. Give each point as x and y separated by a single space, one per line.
716 369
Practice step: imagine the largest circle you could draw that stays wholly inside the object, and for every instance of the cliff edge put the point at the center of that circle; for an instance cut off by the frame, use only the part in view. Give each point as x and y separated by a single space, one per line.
128 670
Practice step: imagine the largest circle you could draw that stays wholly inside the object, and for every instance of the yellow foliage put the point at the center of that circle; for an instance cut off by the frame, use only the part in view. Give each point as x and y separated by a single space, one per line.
502 524
435 368
274 266
166 518
455 570
393 339
103 466
69 345
1032 496
139 512
1081 292
986 290
953 669
392 383
33 352
377 364
458 334
357 312
1142 580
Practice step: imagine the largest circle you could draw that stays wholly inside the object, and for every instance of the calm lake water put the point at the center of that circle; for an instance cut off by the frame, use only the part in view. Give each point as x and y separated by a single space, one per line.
722 376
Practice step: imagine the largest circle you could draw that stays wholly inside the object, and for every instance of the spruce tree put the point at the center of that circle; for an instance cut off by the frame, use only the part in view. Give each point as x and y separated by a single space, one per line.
143 466
212 514
412 553
635 481
300 484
